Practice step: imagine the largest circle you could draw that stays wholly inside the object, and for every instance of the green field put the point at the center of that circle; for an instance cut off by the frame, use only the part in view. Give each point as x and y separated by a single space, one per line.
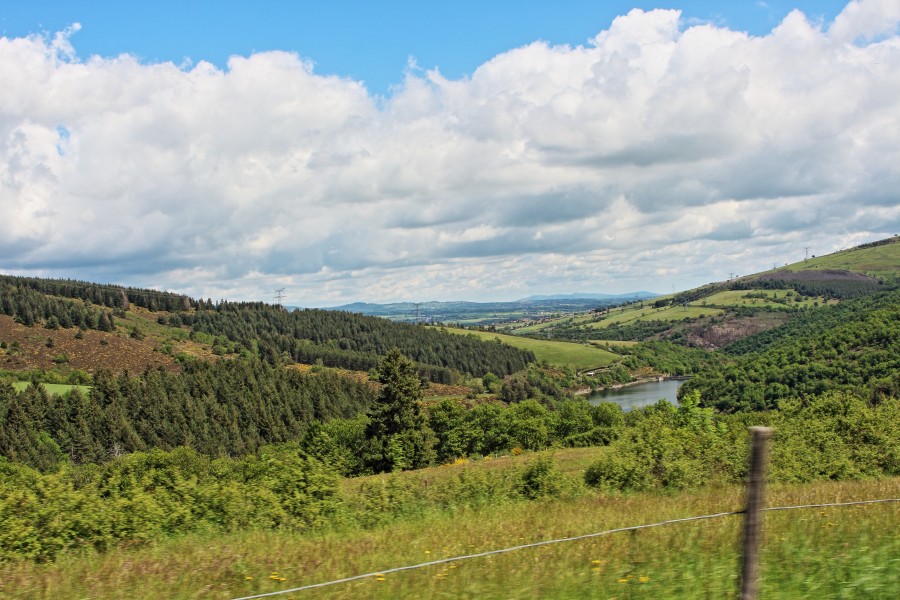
580 356
649 313
54 388
730 298
613 343
630 314
538 327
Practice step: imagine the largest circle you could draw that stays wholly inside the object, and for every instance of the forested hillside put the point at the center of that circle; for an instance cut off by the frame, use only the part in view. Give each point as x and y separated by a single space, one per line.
223 408
853 346
274 335
19 293
352 341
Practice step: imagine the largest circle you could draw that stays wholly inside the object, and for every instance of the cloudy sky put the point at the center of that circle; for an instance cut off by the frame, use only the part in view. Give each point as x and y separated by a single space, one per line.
389 151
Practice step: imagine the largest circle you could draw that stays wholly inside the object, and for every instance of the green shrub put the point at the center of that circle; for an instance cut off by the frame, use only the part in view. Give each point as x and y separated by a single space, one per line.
541 478
142 496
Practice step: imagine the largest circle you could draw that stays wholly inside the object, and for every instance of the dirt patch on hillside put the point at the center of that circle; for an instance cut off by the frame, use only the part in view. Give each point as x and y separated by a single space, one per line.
817 275
51 348
718 334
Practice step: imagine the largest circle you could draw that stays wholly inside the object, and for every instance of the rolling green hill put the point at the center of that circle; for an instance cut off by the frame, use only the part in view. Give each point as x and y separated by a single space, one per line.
580 356
718 314
877 259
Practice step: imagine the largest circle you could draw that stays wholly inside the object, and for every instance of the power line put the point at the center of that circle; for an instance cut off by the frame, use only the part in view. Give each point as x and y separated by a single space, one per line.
442 561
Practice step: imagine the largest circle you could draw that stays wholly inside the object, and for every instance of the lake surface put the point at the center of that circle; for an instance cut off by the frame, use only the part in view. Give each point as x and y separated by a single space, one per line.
642 394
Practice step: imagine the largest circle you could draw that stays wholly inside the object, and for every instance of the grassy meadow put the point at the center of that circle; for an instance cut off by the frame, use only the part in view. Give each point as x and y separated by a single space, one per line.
54 388
847 552
631 314
731 298
574 319
614 343
876 261
580 356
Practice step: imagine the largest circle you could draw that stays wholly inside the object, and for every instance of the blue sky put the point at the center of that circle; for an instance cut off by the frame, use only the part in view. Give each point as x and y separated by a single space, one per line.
364 40
227 149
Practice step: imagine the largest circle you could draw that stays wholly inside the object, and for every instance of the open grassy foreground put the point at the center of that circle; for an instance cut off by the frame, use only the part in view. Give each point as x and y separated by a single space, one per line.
847 552
580 356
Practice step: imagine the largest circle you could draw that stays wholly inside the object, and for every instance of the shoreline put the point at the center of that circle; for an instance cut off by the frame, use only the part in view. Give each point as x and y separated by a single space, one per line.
618 386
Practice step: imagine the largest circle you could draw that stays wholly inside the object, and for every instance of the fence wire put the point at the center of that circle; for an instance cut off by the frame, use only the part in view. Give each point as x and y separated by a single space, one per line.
549 542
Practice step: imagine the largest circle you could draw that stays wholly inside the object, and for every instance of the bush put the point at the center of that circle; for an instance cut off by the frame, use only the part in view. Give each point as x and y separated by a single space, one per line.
541 478
141 496
669 448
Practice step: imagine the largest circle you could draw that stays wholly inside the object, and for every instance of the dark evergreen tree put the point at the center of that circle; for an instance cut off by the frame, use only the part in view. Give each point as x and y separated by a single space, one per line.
398 435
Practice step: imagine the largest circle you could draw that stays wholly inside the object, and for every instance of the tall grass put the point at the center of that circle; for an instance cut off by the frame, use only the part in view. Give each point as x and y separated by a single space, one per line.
850 552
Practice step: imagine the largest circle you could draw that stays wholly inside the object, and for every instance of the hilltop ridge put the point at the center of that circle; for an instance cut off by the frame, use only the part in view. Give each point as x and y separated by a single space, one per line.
719 313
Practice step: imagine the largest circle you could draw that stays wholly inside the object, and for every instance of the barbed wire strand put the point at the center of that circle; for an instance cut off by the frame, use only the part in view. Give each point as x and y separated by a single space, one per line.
547 543
833 504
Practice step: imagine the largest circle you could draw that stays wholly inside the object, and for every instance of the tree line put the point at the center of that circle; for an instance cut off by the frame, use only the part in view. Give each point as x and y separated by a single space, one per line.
31 307
352 341
225 408
107 295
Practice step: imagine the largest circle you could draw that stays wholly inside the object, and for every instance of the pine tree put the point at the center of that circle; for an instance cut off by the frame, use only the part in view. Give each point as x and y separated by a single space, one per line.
398 435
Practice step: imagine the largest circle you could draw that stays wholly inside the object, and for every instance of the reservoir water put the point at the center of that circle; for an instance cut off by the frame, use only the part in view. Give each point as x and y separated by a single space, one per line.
642 394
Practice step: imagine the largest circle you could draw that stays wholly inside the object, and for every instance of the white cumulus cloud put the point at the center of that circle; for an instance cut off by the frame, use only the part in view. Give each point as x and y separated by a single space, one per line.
657 149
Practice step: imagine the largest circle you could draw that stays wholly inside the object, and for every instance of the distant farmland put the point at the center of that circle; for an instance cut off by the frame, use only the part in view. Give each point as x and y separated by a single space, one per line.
649 313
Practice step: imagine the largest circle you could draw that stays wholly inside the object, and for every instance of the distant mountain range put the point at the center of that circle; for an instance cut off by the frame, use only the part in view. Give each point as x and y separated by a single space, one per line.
597 296
484 313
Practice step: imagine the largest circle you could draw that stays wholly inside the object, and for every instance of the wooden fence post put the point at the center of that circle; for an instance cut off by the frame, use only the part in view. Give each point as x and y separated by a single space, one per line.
756 483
